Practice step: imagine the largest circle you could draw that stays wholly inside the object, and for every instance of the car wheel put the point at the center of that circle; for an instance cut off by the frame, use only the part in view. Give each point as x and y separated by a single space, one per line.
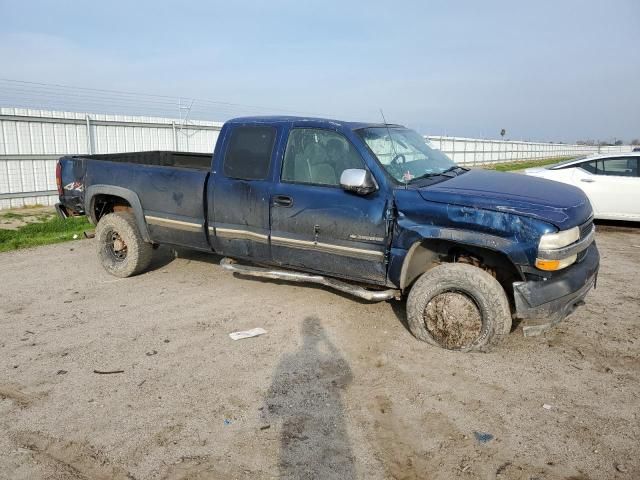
458 307
121 249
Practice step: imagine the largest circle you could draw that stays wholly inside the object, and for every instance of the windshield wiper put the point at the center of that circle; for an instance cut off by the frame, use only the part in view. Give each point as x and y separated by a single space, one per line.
450 169
455 167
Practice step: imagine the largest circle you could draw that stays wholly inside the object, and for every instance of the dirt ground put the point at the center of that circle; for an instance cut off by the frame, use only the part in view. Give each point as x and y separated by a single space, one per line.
336 388
12 219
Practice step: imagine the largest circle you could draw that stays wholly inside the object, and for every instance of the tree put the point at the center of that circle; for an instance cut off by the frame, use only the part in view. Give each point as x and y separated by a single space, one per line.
618 143
635 141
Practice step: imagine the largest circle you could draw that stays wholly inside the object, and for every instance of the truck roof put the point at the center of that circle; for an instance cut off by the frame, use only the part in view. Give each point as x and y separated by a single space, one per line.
316 121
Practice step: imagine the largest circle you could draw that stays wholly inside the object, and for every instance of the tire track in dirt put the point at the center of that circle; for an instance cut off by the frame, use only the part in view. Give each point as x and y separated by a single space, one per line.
76 460
16 395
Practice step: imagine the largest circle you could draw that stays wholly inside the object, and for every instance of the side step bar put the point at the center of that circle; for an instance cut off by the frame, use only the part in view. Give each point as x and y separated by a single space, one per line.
61 210
291 276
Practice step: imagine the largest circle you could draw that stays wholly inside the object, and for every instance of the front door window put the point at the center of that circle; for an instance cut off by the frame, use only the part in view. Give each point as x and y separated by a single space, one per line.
318 157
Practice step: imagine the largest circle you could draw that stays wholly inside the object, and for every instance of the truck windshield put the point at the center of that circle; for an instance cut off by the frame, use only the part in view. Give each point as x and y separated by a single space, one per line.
405 154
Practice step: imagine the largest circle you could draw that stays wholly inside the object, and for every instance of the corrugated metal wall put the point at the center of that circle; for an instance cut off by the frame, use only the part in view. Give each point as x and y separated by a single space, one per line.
32 140
28 132
475 151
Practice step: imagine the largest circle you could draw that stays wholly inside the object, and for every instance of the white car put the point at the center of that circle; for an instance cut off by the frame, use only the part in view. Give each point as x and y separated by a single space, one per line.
611 181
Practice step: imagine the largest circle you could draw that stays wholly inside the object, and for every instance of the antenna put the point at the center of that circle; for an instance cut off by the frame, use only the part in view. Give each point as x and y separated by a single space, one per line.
384 120
393 147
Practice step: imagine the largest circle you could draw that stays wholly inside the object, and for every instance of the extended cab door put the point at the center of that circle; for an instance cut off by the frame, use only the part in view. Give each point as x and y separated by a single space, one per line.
239 192
315 224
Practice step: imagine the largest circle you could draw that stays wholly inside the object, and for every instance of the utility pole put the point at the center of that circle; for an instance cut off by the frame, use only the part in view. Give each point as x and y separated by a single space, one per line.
184 111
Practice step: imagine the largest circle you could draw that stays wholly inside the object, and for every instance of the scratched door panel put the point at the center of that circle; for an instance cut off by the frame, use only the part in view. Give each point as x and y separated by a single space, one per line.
240 191
242 218
327 229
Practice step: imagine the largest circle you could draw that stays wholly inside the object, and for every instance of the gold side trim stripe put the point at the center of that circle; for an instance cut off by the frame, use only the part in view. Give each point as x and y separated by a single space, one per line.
326 247
178 224
240 234
232 233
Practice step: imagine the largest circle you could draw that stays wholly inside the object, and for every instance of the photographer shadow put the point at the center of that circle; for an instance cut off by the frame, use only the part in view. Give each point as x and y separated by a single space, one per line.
305 398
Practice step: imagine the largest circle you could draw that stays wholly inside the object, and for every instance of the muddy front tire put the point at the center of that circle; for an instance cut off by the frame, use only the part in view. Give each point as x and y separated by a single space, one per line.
121 249
458 307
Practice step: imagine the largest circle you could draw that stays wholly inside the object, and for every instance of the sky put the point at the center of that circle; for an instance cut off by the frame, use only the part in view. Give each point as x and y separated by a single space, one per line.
544 70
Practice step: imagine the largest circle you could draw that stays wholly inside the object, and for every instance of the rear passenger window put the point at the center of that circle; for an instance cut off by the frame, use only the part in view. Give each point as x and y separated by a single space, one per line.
617 167
249 153
589 167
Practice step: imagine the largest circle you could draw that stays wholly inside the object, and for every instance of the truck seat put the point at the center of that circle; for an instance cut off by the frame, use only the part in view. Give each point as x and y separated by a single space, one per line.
315 165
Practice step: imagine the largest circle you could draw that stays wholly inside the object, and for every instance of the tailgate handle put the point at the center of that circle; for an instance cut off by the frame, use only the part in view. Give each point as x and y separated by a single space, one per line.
282 201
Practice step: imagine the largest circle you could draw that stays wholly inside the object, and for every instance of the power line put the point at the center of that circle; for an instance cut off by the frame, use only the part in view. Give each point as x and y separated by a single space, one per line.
35 94
39 98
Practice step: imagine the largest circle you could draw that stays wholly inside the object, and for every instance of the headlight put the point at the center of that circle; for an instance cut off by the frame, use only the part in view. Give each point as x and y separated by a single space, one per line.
555 241
552 241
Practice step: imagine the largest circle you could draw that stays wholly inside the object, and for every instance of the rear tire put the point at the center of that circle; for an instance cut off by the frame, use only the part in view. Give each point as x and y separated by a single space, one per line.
458 307
121 249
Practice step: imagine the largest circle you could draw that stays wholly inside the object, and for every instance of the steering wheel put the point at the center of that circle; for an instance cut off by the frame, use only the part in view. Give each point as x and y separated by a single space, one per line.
396 168
396 159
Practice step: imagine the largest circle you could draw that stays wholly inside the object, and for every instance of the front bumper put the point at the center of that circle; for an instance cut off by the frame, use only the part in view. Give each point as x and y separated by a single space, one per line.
544 303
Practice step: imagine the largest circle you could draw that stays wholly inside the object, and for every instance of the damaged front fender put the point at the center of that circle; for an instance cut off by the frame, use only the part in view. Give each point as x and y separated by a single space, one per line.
513 236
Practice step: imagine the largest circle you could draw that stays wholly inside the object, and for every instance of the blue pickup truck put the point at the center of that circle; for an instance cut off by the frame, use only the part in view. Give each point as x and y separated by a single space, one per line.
367 209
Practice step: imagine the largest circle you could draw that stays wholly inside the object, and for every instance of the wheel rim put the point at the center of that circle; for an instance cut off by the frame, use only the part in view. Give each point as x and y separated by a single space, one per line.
116 246
453 319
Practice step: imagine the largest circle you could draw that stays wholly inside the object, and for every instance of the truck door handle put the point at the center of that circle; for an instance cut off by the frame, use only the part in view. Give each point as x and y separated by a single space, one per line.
587 180
282 201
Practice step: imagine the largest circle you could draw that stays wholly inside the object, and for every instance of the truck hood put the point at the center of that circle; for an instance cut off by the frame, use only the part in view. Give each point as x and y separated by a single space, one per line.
534 170
562 205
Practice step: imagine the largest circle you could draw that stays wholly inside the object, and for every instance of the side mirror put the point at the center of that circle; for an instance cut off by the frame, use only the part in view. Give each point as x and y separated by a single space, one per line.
358 180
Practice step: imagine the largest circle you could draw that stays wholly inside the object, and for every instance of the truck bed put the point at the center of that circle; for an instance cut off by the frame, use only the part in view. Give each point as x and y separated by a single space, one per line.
168 187
199 161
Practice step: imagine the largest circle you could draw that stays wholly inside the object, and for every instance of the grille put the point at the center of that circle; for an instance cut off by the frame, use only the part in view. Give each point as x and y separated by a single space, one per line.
585 228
